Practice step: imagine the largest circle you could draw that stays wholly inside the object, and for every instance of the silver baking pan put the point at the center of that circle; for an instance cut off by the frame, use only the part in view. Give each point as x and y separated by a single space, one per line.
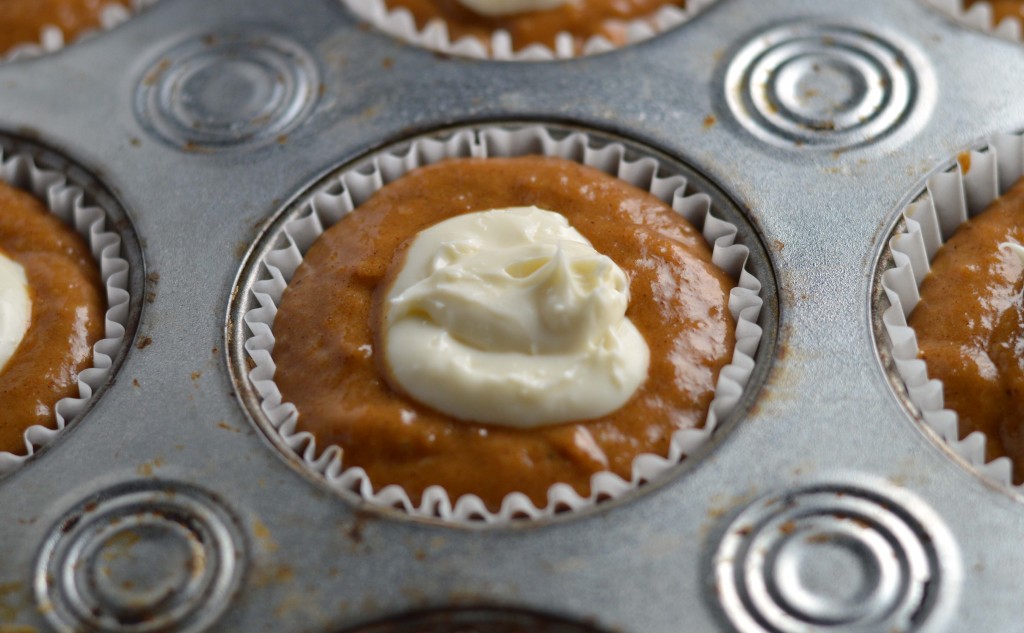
822 504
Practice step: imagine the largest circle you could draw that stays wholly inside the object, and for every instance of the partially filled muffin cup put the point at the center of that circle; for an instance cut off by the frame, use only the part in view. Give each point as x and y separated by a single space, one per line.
959 205
530 31
392 170
30 28
1002 18
90 226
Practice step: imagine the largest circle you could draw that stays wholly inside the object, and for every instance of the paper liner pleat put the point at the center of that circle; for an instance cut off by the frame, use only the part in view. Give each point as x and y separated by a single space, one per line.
67 201
434 36
980 16
355 186
950 199
52 38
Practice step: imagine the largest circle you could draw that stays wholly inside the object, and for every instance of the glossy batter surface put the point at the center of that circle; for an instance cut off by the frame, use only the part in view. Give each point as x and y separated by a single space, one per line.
582 18
968 327
328 359
22 20
67 315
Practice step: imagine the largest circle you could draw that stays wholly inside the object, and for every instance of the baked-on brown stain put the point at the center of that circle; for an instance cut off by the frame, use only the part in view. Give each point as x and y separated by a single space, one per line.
325 330
22 20
67 315
970 328
1001 9
581 18
964 159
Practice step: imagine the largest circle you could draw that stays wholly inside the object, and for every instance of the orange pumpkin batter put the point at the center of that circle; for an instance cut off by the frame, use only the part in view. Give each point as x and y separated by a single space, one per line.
67 315
969 327
582 18
22 20
326 330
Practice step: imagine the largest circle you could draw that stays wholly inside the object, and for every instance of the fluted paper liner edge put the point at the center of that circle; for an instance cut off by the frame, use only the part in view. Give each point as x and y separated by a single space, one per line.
980 16
352 188
53 39
434 36
950 199
67 202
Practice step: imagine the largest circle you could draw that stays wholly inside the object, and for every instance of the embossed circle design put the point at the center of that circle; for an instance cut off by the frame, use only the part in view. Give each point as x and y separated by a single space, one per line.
138 559
835 559
230 90
821 85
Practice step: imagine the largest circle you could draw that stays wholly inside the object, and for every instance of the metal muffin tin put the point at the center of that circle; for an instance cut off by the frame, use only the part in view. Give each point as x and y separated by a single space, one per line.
824 506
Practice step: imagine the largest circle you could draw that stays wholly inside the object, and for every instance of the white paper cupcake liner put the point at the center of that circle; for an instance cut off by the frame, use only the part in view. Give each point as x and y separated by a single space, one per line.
980 17
951 198
434 36
52 38
66 201
356 185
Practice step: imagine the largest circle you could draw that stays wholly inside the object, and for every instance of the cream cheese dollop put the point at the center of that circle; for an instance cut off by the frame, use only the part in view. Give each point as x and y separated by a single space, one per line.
15 307
492 8
510 317
1016 249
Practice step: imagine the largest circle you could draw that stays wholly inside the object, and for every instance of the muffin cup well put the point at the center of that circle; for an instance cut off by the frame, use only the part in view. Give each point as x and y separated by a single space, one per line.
434 36
354 186
981 17
52 38
951 198
67 202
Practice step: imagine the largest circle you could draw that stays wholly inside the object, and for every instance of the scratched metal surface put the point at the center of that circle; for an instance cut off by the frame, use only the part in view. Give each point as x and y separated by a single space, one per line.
825 506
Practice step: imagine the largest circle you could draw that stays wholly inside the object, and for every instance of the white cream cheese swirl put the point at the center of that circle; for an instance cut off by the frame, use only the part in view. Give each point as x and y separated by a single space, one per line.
493 8
1016 249
510 317
15 307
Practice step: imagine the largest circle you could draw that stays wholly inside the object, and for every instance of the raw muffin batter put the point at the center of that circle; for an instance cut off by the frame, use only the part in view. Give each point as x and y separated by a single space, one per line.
22 20
326 331
67 314
582 18
968 327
